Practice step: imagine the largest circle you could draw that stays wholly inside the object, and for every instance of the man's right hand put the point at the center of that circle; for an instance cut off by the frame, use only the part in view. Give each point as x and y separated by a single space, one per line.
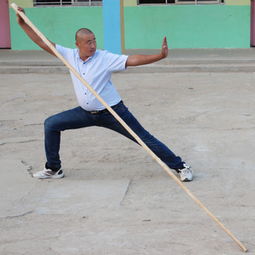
19 18
32 34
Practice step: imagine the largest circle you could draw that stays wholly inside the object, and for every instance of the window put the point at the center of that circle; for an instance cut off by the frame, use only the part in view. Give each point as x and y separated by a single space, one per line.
156 2
67 2
180 1
200 1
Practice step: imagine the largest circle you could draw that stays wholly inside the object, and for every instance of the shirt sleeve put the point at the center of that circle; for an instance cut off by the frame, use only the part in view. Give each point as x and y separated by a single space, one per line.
116 62
65 52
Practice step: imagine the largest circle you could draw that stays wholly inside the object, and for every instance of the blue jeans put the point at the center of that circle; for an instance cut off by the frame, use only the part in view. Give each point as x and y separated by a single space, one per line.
79 118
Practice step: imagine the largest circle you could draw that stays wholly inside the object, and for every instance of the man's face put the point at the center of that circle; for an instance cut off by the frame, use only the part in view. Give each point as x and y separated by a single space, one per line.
86 43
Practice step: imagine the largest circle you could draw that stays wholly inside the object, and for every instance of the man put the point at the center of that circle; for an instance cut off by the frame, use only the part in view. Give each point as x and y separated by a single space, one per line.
96 67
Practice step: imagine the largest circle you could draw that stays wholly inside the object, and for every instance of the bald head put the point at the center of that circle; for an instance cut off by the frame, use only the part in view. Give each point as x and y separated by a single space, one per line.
81 32
85 42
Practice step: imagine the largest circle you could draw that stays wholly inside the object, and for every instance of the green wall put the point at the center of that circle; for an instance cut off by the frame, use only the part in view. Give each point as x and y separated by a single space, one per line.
58 25
189 26
186 26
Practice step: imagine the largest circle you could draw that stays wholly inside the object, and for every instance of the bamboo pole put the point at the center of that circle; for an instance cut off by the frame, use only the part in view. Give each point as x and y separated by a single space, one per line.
137 138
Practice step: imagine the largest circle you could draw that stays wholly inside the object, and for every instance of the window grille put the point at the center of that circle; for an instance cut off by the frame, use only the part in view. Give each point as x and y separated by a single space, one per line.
67 2
154 2
139 2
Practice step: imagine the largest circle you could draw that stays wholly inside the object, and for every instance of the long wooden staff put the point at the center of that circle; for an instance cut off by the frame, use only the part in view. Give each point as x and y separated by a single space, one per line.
137 138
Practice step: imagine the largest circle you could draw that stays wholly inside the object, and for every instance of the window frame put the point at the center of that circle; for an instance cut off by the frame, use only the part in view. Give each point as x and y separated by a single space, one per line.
61 3
199 2
182 2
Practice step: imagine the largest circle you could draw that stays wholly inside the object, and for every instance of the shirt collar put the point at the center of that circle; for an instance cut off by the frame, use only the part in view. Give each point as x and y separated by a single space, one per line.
88 59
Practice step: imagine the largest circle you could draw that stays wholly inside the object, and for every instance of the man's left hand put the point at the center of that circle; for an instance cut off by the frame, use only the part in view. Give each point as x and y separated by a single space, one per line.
164 50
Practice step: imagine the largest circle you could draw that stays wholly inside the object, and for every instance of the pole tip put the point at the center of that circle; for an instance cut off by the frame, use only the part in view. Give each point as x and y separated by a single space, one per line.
244 249
14 6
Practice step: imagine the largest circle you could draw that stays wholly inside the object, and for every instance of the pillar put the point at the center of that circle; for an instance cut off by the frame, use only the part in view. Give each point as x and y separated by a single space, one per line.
252 23
5 39
113 16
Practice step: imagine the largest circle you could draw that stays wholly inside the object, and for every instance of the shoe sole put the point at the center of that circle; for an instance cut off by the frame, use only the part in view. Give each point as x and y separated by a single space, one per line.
186 180
50 177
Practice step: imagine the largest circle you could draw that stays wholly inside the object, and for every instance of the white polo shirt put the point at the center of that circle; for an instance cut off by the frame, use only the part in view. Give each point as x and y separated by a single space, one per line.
96 70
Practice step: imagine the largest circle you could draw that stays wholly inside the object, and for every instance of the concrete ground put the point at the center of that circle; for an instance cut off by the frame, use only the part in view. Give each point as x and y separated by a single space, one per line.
115 199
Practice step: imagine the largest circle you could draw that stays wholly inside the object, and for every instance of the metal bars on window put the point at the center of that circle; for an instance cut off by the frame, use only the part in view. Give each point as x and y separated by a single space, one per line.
67 2
154 2
199 1
139 2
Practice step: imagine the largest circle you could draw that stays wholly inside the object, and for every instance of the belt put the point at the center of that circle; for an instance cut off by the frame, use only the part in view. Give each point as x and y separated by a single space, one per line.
105 110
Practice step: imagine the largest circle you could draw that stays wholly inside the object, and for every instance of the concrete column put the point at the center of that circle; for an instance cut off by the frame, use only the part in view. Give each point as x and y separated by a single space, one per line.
113 16
252 23
5 40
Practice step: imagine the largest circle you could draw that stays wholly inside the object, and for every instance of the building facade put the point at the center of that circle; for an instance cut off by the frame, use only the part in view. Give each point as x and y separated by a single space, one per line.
186 23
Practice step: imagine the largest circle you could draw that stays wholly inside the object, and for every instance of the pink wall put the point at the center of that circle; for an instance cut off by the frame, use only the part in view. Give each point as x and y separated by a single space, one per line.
5 41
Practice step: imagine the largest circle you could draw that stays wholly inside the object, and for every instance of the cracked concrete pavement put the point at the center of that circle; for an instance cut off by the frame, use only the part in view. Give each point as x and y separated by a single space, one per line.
115 199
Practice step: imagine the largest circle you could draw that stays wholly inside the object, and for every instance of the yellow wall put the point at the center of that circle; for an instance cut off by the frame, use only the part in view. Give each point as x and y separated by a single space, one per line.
130 2
227 2
29 3
237 2
22 3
